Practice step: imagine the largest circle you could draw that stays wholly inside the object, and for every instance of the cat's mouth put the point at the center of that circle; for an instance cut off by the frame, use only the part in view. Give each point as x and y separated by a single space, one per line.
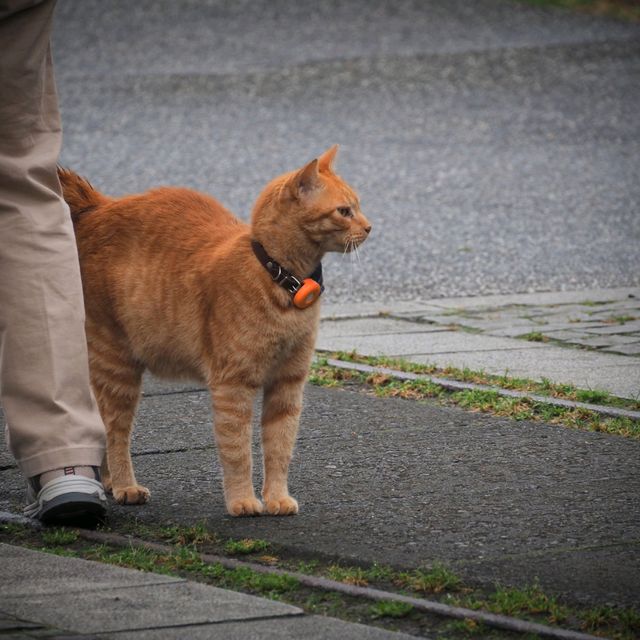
353 242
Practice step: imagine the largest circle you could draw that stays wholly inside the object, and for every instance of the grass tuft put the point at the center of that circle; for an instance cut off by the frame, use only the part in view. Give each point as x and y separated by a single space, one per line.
245 546
438 579
512 601
591 395
467 628
192 535
489 401
349 575
534 336
59 537
390 609
624 619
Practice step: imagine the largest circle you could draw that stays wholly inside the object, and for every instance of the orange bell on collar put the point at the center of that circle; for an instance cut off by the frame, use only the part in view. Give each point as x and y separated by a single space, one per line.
307 294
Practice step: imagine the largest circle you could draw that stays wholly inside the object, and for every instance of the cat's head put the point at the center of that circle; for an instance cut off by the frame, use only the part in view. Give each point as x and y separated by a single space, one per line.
314 205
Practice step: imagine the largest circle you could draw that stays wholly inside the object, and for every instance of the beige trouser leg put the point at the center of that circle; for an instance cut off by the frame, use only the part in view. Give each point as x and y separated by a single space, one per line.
52 418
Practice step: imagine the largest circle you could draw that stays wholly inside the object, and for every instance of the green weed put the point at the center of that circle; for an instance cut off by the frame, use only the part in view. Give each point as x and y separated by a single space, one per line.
307 566
349 575
195 534
585 303
467 628
245 578
390 609
438 579
60 551
618 426
512 601
329 603
323 380
16 531
534 336
245 546
620 623
623 319
187 560
59 537
591 395
133 557
379 572
359 576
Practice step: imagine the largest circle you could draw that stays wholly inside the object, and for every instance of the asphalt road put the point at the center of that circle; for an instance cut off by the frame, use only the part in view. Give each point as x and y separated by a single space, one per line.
495 145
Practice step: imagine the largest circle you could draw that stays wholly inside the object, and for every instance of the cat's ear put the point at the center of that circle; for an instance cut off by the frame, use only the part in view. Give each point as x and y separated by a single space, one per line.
307 180
325 161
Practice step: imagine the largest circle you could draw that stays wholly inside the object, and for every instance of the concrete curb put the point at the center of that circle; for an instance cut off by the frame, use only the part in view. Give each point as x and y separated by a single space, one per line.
455 385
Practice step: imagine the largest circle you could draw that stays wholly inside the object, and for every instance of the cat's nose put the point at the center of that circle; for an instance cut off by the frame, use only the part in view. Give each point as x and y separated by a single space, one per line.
367 229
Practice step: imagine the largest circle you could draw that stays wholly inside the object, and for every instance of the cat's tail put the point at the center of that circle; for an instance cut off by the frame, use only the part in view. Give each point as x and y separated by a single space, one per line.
79 194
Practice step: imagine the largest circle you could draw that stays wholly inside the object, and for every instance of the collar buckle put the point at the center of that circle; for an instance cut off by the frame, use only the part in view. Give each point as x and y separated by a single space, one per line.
290 283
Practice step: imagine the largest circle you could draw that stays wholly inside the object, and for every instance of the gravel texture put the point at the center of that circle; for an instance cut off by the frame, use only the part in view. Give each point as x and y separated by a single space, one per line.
494 144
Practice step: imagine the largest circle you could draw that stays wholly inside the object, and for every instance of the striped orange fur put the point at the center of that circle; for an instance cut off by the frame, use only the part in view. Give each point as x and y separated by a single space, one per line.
171 285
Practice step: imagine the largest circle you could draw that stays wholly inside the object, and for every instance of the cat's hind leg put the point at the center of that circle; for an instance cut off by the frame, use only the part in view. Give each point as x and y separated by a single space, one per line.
232 406
117 383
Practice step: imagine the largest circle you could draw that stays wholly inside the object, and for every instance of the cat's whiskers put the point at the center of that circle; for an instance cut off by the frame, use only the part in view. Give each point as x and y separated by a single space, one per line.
355 250
346 246
351 246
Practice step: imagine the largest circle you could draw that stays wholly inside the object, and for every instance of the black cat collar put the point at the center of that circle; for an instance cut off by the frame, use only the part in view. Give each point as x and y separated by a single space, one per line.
304 292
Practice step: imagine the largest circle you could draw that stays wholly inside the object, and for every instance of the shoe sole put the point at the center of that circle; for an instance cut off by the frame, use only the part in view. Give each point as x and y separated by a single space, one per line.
73 510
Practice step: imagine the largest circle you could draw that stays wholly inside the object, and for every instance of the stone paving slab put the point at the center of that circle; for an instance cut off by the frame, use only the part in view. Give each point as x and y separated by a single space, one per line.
375 326
551 327
422 344
343 310
126 603
627 327
616 298
605 357
582 369
483 324
27 573
514 332
614 294
615 308
628 349
305 628
605 341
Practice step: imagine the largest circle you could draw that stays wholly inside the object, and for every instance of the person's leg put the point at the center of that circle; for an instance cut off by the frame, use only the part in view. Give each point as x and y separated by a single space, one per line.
52 418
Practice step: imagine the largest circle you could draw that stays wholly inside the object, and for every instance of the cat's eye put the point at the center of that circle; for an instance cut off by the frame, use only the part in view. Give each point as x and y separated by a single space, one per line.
345 212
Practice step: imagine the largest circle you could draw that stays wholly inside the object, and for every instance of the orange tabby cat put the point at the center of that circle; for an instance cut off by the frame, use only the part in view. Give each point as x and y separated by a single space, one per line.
172 283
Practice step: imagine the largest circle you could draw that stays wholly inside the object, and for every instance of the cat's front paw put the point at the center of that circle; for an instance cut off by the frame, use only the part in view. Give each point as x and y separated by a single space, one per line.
245 507
283 506
135 494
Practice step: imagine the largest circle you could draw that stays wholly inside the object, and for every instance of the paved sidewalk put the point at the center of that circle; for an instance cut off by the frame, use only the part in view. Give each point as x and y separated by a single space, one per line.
47 596
589 339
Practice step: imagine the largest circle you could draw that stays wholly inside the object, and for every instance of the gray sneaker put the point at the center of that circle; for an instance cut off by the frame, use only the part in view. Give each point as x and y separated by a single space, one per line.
67 500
